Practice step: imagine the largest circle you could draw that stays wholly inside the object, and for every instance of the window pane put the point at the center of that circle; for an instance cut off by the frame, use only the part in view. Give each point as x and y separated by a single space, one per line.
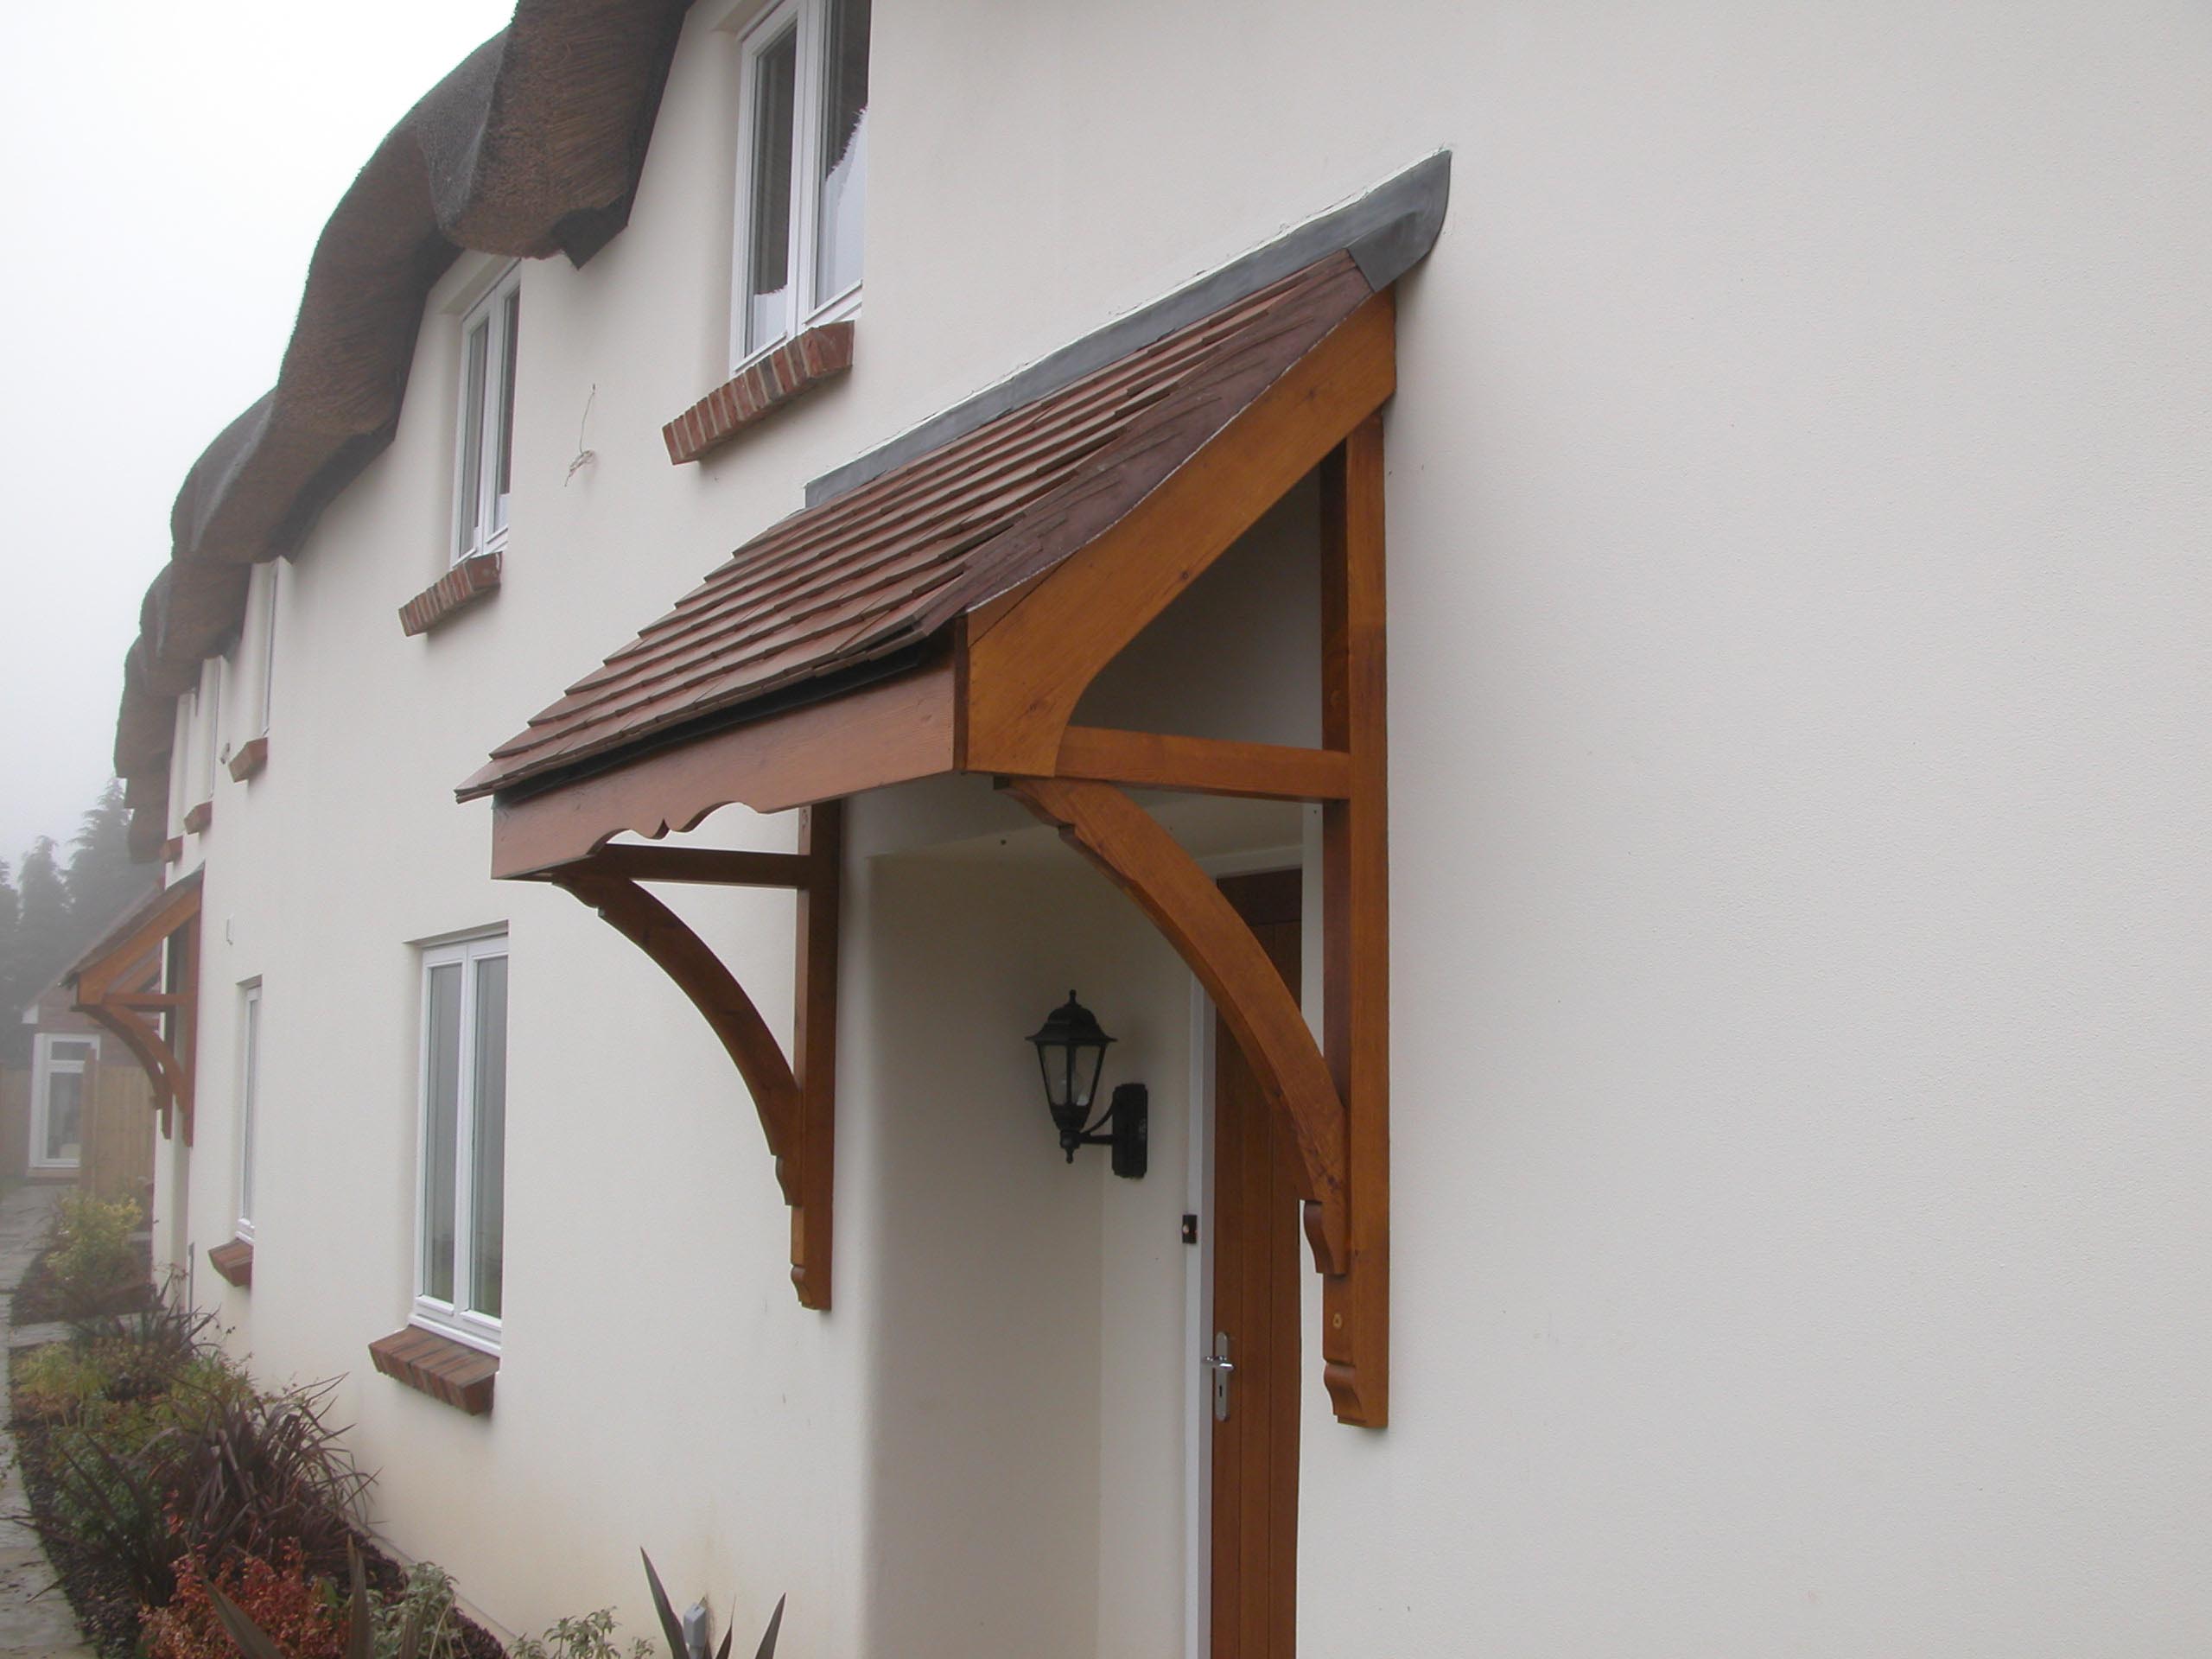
767 289
487 1202
845 151
441 1129
268 641
65 1099
503 470
70 1053
472 437
252 1085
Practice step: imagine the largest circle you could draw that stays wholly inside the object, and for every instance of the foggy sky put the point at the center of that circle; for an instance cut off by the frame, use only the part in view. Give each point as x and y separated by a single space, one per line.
169 168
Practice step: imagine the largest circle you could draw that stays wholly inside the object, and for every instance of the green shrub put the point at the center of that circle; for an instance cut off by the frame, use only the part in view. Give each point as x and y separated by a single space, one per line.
93 1261
57 1383
421 1620
590 1636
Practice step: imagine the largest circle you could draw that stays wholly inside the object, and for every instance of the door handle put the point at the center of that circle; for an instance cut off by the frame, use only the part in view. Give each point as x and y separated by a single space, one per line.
1223 1368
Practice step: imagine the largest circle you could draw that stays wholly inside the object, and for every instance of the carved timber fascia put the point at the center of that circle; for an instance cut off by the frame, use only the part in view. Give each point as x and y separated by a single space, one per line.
796 1098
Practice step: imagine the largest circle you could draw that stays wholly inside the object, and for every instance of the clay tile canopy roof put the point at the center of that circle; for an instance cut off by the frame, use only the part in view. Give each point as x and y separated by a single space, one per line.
128 924
869 575
532 146
892 547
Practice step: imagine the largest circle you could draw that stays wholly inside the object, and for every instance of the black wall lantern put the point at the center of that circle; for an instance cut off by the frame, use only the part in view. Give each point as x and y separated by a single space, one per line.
1071 1051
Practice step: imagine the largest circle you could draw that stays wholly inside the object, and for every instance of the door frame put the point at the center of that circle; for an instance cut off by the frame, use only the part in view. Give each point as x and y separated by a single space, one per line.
1198 1263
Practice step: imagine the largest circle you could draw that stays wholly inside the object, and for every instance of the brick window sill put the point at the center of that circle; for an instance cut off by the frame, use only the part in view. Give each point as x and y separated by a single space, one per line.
473 579
233 1262
253 755
451 1373
777 378
197 820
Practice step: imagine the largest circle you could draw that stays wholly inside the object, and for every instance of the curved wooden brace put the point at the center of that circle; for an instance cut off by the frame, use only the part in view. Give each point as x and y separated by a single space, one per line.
110 984
172 1083
714 990
797 1102
1262 1013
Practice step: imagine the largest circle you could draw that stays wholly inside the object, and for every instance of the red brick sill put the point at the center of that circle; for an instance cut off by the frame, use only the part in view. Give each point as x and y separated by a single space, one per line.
475 578
197 820
253 755
775 378
451 1373
233 1262
172 850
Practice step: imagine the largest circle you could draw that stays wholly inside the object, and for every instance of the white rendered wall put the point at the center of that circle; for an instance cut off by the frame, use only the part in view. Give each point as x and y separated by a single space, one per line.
1797 485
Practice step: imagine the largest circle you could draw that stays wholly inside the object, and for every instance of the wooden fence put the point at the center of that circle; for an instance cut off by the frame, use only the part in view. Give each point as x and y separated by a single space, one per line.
117 1159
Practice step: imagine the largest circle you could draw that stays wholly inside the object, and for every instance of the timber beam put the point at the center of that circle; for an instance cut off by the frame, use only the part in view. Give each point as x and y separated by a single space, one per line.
1203 765
796 1097
160 939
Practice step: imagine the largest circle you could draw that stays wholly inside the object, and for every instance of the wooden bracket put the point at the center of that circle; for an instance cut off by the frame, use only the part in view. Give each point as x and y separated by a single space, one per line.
111 985
796 1098
1336 1095
1124 841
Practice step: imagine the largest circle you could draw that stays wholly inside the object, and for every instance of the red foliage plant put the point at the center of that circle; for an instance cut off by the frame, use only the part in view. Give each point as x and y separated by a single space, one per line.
300 1613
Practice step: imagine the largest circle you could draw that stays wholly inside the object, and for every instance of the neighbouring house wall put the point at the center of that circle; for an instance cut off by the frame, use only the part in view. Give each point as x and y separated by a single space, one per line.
1797 490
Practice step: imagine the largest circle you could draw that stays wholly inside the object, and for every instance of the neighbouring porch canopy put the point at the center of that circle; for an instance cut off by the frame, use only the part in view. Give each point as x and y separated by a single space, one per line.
142 982
942 605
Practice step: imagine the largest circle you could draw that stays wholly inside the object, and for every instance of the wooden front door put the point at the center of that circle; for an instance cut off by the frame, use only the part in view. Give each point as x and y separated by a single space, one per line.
1254 1325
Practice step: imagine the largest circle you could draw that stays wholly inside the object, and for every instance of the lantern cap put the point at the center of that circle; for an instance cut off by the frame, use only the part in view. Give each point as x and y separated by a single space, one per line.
1071 1023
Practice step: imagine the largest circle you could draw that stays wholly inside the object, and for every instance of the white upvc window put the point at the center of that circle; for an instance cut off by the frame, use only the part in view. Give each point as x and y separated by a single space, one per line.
484 462
462 1157
802 171
265 679
61 1078
248 1099
183 773
210 738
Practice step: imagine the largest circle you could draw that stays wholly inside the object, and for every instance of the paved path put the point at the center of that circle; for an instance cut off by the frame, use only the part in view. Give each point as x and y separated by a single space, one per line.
34 1615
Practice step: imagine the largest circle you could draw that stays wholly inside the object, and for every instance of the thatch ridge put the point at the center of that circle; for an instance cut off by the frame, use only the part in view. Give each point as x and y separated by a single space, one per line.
531 146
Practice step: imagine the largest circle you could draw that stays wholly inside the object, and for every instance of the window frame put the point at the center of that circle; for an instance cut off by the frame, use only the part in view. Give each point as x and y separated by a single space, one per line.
249 1101
265 679
209 711
44 1069
810 19
451 1318
478 526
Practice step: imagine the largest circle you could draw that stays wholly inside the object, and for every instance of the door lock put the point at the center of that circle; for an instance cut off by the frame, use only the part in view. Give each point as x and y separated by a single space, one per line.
1219 1362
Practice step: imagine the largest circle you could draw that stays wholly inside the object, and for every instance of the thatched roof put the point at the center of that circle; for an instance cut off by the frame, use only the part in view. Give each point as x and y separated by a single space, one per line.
531 147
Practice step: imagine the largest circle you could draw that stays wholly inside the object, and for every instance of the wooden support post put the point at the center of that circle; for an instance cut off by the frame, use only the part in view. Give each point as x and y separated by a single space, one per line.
1356 883
814 1047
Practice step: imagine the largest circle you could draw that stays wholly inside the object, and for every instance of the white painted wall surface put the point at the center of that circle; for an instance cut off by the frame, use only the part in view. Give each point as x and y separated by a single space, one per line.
1798 490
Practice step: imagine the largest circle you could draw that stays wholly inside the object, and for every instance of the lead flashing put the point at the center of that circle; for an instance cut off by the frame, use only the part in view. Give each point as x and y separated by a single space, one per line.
1387 231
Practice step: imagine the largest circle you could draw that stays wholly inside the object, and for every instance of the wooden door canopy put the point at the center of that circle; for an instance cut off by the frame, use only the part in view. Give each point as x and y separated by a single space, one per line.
943 608
797 1097
114 983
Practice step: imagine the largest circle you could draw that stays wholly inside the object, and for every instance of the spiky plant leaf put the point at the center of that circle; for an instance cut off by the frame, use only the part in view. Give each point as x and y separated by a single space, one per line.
360 1634
669 1625
242 1630
775 1624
